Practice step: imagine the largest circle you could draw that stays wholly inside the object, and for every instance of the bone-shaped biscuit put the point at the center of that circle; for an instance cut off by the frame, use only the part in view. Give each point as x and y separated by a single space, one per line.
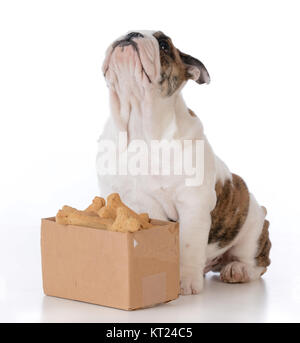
106 212
145 216
70 216
115 216
62 215
68 209
124 222
114 202
96 205
92 210
81 218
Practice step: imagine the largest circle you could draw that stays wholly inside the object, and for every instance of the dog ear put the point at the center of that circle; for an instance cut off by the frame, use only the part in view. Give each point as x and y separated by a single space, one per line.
195 69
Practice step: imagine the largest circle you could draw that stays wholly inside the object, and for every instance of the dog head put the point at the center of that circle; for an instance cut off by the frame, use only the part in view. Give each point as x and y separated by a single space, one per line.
144 61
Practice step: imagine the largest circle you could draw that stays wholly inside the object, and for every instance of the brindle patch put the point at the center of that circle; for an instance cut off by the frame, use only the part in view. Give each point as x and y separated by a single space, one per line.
173 70
264 246
230 212
176 66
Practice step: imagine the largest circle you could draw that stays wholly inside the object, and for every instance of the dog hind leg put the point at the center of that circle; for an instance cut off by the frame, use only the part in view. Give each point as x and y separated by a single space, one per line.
251 252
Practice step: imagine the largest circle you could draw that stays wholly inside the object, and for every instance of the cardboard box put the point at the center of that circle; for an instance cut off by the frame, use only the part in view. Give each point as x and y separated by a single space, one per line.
122 270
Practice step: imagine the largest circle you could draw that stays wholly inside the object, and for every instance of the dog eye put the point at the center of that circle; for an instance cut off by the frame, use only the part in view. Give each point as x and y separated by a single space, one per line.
164 45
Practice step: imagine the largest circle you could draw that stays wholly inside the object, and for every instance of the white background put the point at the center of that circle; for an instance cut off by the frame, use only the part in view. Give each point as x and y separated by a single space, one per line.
53 105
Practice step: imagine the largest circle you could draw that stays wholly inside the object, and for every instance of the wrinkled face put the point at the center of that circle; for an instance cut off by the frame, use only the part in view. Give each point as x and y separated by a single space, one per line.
148 60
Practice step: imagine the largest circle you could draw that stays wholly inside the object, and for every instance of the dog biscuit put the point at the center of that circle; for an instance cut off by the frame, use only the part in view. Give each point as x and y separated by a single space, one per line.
96 205
61 217
124 222
113 203
114 216
63 214
81 218
106 212
145 216
68 209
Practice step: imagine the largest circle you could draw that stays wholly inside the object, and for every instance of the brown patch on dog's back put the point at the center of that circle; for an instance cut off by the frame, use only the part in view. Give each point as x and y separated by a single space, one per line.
264 246
230 212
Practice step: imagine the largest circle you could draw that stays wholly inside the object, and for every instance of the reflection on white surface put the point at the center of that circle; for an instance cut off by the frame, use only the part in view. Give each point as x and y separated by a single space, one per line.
219 302
274 298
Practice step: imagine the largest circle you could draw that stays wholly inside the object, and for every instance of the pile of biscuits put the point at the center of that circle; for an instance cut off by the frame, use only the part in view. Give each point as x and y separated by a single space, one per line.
112 215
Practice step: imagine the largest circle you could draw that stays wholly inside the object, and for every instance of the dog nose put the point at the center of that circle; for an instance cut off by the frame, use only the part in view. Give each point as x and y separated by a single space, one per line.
134 35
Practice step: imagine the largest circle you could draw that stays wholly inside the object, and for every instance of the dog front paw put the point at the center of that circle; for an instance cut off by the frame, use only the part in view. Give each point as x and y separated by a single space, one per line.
191 284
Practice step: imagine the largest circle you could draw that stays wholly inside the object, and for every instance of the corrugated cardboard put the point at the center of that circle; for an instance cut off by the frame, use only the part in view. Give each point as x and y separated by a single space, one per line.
122 270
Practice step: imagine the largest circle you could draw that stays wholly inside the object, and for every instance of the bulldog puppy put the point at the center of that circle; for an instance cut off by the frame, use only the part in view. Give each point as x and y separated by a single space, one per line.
222 227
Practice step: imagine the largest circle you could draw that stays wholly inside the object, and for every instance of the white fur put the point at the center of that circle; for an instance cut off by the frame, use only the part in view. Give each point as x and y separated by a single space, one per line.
138 108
